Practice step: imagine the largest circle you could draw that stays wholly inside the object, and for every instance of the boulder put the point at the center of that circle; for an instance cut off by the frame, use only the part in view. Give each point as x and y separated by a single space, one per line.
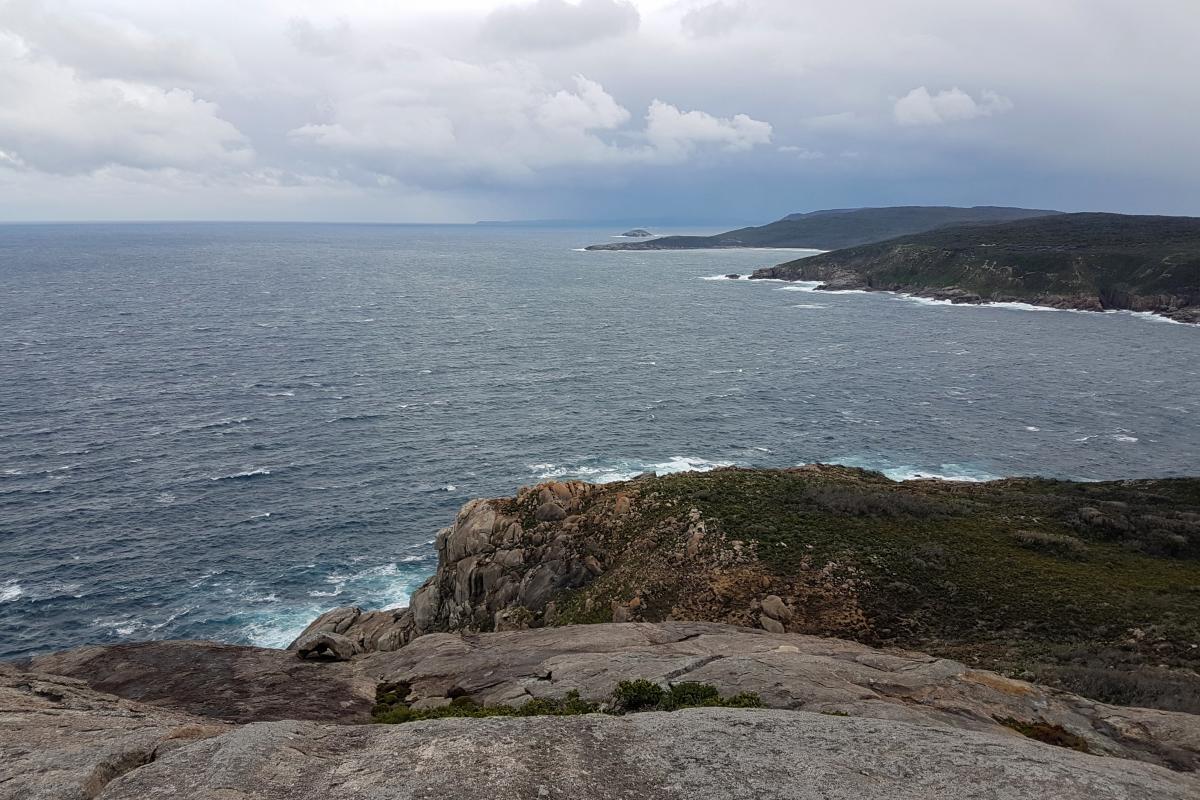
326 645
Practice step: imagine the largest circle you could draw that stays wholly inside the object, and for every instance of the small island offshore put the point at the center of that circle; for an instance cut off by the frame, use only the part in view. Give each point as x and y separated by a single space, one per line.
812 632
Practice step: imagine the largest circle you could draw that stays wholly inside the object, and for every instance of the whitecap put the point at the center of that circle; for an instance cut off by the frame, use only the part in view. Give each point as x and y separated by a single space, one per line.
808 305
252 473
612 470
909 472
1032 428
9 591
800 286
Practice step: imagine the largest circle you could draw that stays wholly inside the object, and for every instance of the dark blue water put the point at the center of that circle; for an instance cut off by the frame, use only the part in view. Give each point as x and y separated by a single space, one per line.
221 430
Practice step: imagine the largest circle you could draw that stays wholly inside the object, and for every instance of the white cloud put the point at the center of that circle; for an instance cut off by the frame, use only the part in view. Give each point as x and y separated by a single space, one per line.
672 131
919 107
54 119
315 40
557 23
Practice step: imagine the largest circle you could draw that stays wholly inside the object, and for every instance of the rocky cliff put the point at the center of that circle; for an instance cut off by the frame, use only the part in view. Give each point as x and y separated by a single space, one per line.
1088 586
1092 262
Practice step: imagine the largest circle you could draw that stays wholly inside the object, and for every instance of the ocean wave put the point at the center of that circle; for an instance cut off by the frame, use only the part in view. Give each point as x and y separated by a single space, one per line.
909 472
800 286
809 305
736 277
612 470
9 591
248 474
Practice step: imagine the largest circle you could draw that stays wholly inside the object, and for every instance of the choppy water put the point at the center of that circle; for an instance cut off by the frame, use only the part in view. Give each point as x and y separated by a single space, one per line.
221 430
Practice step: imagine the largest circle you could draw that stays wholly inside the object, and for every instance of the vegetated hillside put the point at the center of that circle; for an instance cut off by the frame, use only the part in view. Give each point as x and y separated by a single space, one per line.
1094 587
1086 261
835 228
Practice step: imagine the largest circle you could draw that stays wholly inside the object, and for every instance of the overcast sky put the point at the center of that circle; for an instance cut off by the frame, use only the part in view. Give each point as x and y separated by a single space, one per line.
458 110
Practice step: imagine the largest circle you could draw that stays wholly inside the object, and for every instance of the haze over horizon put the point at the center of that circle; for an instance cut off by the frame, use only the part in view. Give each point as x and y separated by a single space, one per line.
703 110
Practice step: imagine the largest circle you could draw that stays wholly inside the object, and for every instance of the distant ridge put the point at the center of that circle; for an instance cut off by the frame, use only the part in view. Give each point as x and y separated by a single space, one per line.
1092 262
832 229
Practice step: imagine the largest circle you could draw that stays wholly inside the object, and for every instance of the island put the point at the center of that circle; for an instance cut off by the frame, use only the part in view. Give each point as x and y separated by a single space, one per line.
637 233
835 228
1091 261
738 633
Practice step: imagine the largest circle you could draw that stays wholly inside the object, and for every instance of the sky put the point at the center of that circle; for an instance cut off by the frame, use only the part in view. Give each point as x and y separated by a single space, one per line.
701 111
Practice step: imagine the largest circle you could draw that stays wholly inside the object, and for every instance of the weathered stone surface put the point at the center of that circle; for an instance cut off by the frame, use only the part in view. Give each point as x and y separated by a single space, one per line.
774 607
61 740
701 754
227 682
790 671
326 645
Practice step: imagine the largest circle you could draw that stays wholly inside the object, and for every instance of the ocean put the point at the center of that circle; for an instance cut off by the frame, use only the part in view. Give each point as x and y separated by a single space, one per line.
220 430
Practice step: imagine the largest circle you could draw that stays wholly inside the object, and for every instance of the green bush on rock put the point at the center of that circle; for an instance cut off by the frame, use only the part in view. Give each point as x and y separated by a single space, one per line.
629 697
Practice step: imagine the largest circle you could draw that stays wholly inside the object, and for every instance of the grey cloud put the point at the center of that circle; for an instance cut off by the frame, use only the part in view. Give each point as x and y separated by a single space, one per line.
548 24
314 40
714 19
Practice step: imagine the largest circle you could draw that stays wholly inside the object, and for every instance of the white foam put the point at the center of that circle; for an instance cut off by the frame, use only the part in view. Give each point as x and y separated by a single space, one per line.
725 277
251 473
610 471
9 591
800 286
908 472
1123 437
808 305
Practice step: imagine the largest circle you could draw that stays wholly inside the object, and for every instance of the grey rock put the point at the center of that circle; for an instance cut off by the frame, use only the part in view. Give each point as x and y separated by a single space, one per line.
700 754
326 645
789 671
227 682
774 606
770 624
61 740
549 511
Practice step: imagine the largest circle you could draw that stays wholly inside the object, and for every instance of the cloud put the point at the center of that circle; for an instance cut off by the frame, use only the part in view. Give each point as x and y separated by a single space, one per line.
919 107
672 131
548 24
431 136
322 42
54 119
714 19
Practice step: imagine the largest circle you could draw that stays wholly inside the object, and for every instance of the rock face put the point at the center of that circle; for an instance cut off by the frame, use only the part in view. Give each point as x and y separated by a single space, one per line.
844 720
787 671
221 681
61 740
499 564
697 754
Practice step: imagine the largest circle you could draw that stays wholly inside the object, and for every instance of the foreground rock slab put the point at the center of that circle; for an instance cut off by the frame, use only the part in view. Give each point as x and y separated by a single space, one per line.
696 754
227 682
788 671
61 740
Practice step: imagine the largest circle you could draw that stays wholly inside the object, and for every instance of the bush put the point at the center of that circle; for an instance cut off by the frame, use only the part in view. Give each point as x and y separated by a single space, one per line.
1053 543
628 697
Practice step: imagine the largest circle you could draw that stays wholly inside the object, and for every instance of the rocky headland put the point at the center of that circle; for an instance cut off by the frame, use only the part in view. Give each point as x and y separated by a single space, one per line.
1019 638
834 228
1088 262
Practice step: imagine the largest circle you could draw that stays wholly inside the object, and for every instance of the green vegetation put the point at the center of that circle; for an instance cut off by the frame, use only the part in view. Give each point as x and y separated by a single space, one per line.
835 228
1094 587
629 697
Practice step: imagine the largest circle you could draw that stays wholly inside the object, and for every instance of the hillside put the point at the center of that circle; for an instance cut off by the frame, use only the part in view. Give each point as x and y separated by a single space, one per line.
1091 586
835 228
1092 262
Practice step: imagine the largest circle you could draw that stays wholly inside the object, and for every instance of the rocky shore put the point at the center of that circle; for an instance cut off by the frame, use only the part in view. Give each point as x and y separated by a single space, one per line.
904 640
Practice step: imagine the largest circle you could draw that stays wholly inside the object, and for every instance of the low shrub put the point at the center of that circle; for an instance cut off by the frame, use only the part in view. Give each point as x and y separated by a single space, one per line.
629 697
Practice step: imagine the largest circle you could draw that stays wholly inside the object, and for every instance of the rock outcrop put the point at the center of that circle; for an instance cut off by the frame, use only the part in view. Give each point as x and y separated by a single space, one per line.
1000 575
843 720
701 754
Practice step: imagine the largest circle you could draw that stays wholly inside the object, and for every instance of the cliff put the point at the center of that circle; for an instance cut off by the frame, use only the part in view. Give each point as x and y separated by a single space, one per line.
1093 262
835 228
